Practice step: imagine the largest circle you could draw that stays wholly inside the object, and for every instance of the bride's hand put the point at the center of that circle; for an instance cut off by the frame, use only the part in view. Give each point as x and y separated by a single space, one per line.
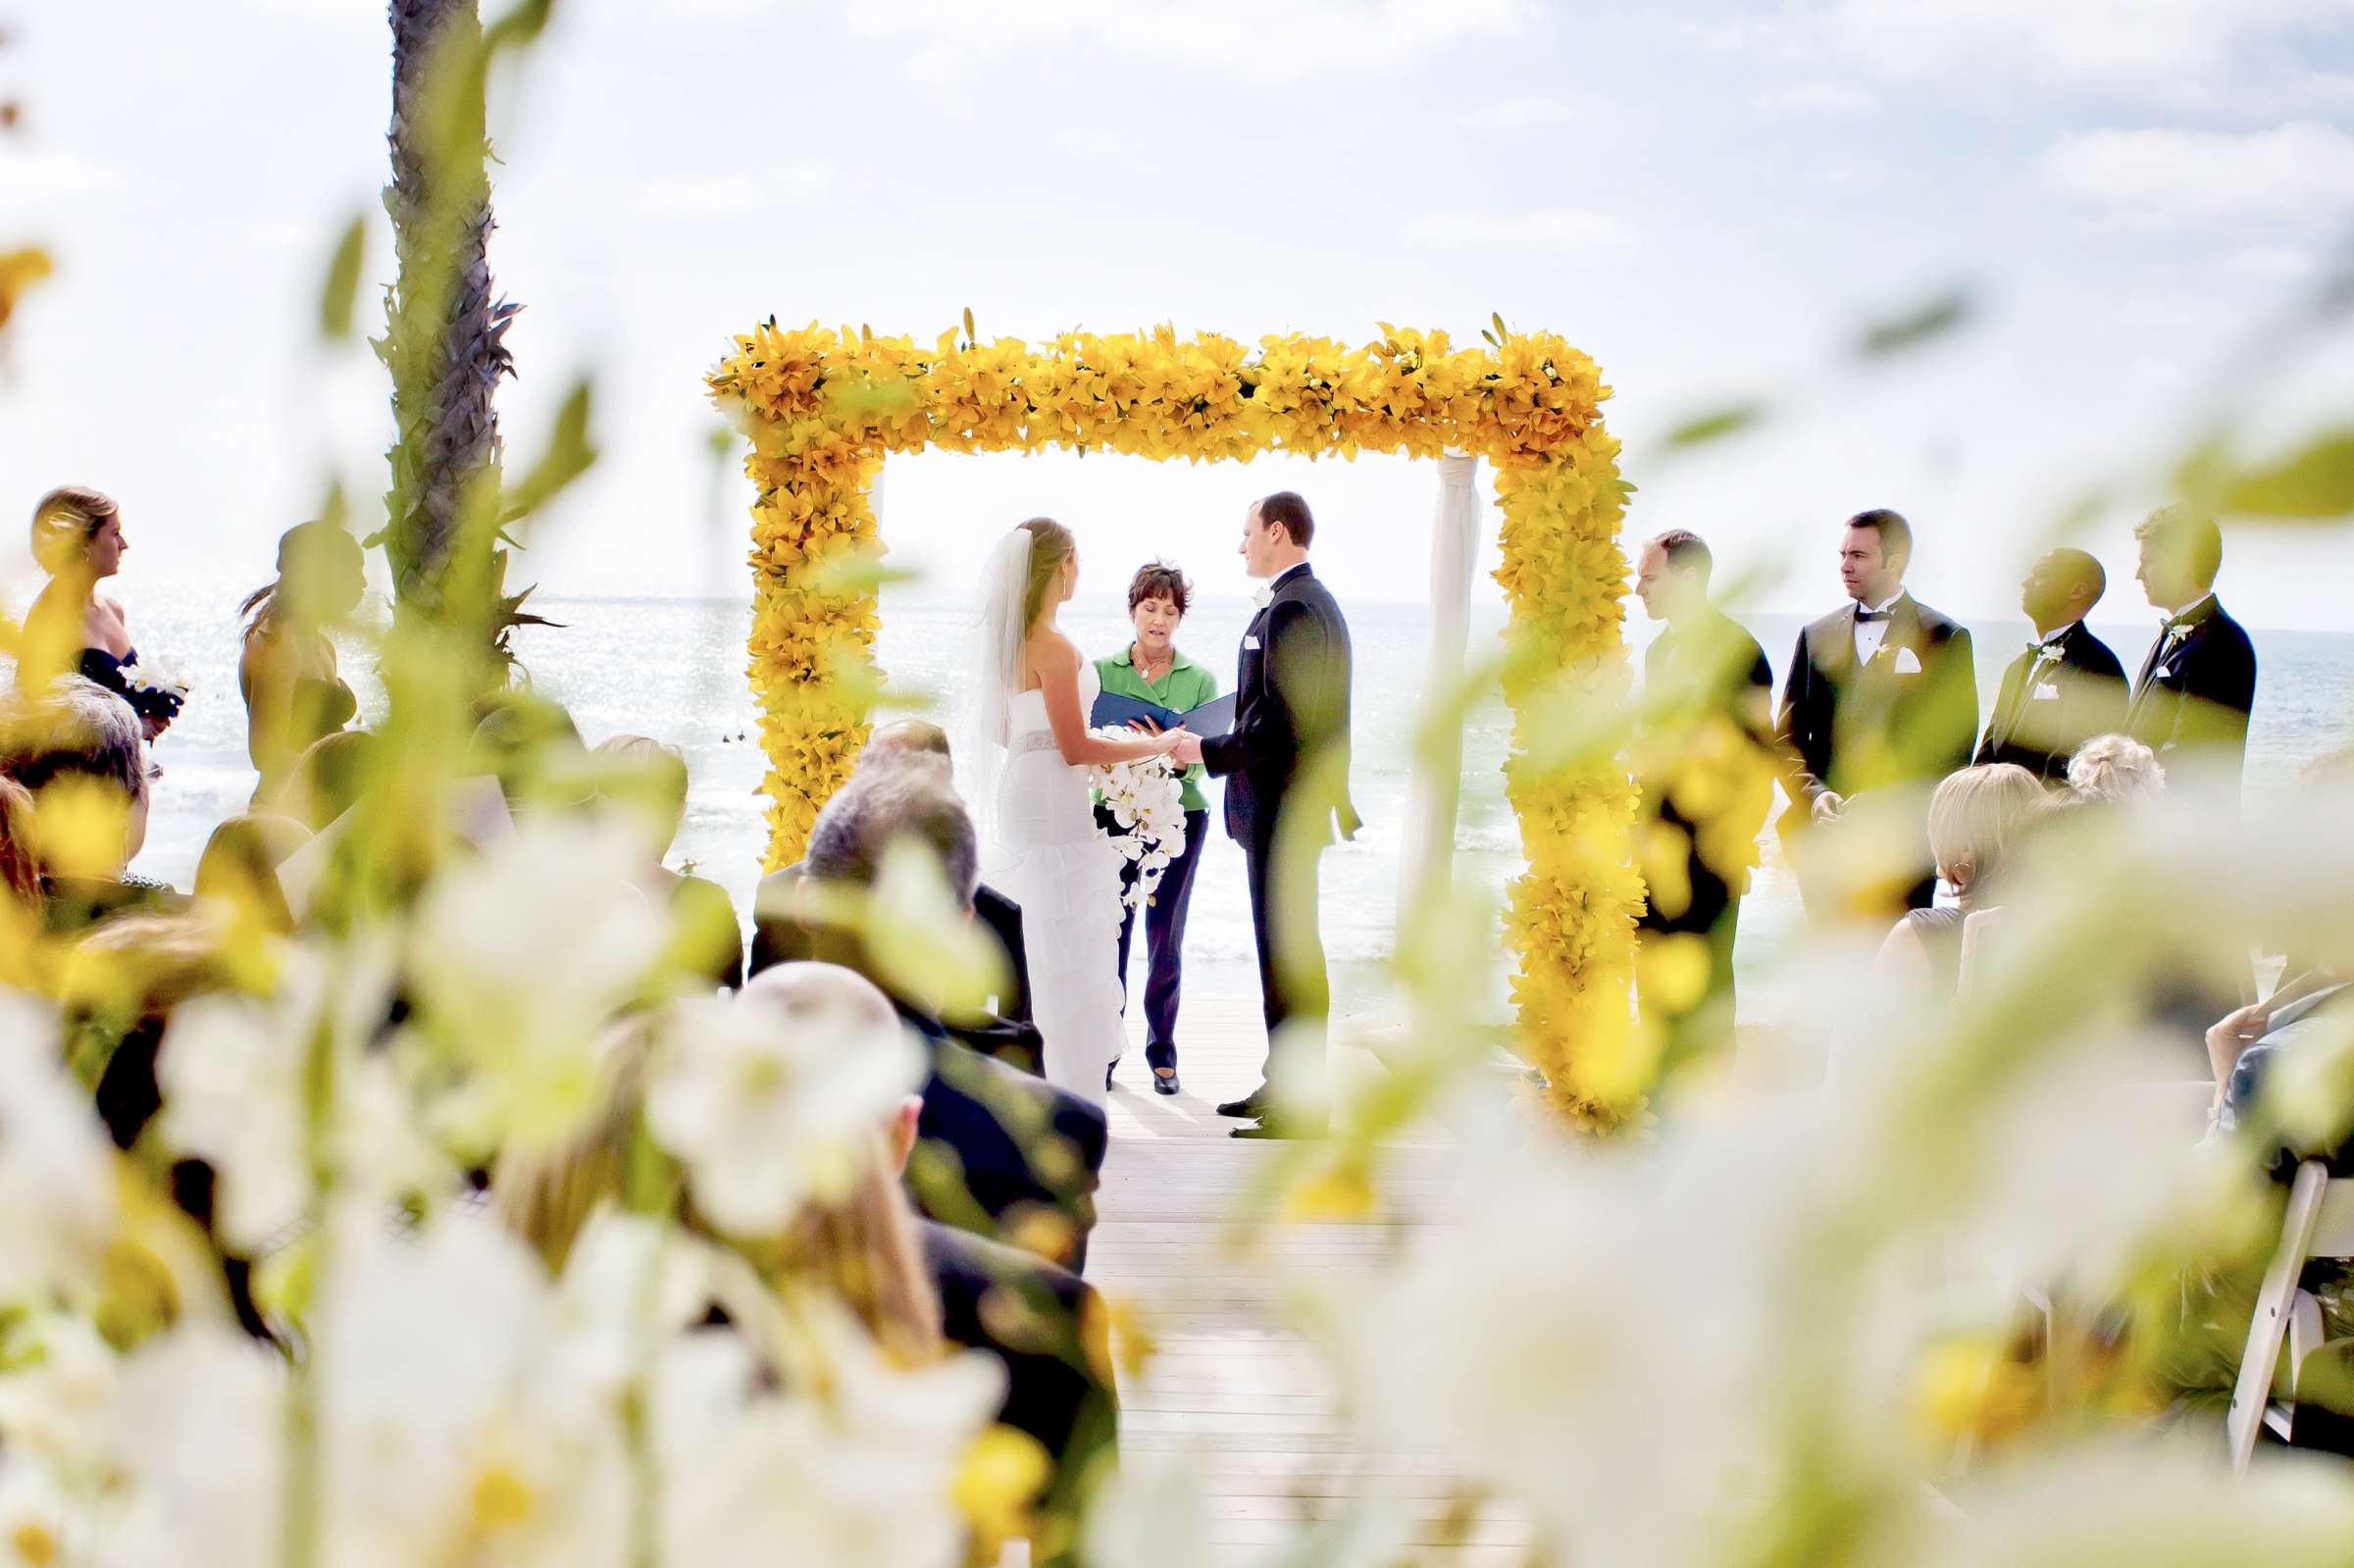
1170 741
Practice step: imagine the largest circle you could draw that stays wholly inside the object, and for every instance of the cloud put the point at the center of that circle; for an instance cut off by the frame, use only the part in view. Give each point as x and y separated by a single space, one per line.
2274 261
1557 228
705 195
2178 49
1516 114
1274 40
2302 171
1818 98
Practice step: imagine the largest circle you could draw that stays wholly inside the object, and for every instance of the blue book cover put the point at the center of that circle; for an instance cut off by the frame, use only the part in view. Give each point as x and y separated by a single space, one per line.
1214 717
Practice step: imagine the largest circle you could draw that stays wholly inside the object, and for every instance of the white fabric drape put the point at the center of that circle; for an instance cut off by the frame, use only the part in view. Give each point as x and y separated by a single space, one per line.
1426 856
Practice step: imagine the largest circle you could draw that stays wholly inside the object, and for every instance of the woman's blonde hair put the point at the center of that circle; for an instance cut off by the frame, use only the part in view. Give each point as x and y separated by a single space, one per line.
863 1246
2116 768
1975 817
20 864
64 521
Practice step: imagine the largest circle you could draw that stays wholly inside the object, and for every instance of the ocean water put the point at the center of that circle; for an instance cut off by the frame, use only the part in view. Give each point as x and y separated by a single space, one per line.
673 669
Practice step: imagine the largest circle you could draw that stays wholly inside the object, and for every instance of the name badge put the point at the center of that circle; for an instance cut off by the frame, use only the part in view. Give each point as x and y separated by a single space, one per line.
1251 644
2046 693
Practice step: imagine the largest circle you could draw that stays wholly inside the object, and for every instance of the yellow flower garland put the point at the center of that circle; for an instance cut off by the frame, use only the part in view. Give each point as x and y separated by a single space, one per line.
823 407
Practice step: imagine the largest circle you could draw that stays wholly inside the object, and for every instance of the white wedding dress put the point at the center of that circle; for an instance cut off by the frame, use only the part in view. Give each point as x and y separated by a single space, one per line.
1052 859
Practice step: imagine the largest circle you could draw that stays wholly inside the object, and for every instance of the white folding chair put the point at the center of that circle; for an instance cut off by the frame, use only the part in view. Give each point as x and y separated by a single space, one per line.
2319 1224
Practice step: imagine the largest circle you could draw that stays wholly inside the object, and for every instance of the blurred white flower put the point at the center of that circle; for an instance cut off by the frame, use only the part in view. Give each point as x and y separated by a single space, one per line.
40 1526
57 1166
1153 1514
232 1072
866 1476
54 1398
197 1427
770 1101
521 956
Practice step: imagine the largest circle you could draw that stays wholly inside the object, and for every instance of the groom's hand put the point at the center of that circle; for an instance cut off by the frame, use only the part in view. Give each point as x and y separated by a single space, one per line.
1188 751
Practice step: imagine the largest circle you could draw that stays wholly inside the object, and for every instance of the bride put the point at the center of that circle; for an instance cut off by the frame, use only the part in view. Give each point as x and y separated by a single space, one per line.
1033 747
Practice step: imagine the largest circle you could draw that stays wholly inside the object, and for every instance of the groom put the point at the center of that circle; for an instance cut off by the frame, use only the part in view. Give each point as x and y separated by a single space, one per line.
1286 766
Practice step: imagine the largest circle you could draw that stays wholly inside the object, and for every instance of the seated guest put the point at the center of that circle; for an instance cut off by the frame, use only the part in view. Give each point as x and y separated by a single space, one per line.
905 741
860 1246
1003 1153
649 779
1004 1030
77 752
1976 817
2245 1044
2116 768
1043 1323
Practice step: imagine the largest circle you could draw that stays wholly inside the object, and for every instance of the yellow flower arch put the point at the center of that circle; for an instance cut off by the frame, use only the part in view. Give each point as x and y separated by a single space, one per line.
823 407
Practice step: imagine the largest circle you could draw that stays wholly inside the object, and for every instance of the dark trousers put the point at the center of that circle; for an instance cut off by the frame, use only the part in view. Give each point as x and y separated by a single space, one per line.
1164 939
1293 985
1707 1026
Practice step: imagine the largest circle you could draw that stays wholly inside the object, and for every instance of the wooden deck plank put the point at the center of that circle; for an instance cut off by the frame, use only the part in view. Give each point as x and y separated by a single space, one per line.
1231 1389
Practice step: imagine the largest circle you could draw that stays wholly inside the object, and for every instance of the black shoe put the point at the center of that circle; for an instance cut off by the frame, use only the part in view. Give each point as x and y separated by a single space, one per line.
1164 1083
1250 1107
1272 1128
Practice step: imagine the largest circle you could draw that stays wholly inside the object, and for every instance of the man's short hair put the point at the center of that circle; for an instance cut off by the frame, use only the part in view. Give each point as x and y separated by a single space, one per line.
1685 551
848 841
1289 508
1896 535
2083 568
2192 533
74 726
1158 580
904 741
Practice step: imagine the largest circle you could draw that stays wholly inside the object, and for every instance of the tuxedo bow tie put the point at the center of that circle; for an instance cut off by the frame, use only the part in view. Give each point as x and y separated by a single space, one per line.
1863 616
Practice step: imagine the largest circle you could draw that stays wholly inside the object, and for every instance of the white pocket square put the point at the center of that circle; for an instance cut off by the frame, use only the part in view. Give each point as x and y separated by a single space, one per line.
1250 643
2164 673
1906 662
2046 693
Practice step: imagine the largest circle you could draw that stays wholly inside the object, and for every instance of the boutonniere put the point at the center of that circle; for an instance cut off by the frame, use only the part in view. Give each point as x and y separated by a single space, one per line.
2176 632
1262 597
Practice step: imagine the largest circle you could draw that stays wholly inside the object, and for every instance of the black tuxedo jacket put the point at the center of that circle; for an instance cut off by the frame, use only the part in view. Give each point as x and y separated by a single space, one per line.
1899 720
1718 669
1291 715
780 936
2199 693
1050 1329
2039 732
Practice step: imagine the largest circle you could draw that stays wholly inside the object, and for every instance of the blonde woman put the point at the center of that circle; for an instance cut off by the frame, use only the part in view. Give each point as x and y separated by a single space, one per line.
1976 819
71 628
862 1248
2115 767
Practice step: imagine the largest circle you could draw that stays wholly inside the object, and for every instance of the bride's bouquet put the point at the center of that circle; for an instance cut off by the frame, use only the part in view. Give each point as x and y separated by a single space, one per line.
1146 799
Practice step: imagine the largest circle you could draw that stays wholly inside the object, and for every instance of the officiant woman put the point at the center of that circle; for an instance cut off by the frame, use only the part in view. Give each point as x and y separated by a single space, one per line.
1151 669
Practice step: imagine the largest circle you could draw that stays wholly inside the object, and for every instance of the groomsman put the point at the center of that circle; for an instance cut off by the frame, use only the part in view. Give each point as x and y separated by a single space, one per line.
2066 686
1880 694
2199 683
1705 748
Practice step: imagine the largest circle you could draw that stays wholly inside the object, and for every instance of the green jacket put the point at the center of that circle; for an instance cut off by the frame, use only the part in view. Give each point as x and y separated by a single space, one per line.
1186 685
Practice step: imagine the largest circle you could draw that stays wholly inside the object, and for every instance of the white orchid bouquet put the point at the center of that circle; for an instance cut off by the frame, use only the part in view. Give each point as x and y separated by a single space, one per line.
157 690
1146 800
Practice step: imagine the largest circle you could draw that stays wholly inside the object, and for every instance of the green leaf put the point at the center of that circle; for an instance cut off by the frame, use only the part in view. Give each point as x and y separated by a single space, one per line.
1900 333
339 298
1715 425
2315 481
568 456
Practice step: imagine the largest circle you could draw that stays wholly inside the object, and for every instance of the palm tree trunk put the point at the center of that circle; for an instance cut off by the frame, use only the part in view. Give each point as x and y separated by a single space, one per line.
445 343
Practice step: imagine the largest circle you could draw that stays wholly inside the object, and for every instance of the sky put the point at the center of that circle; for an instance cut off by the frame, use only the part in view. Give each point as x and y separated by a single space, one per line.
1712 200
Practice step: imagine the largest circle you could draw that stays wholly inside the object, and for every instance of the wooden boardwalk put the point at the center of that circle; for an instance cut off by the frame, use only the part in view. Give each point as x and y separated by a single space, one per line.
1228 1385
